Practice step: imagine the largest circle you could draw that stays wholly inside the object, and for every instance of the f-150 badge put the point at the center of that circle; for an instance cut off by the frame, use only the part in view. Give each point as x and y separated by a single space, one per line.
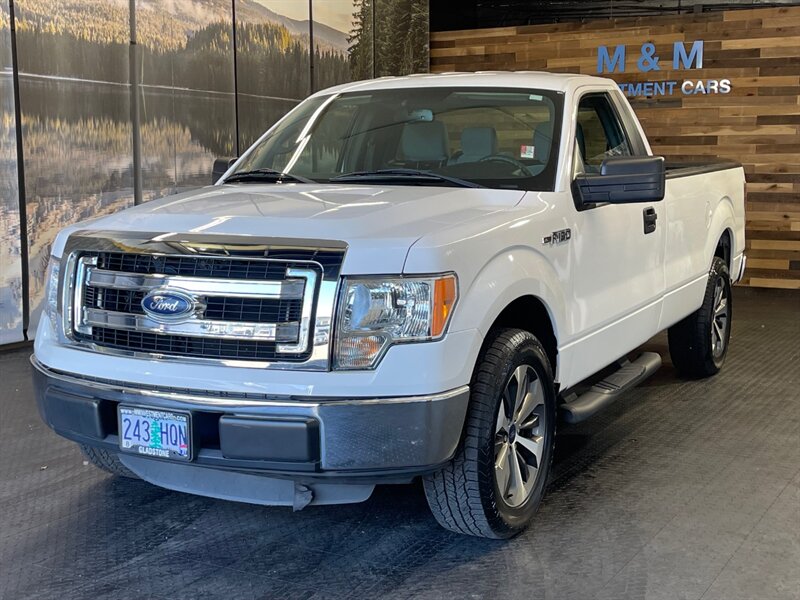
557 237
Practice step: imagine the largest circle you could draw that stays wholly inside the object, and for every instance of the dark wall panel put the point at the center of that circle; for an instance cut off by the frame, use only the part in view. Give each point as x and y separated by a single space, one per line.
446 15
757 123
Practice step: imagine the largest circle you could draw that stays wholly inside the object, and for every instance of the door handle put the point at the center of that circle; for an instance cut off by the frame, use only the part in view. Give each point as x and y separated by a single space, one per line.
650 217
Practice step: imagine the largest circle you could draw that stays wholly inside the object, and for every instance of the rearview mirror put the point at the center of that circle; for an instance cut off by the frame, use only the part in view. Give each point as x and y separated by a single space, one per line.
622 180
220 166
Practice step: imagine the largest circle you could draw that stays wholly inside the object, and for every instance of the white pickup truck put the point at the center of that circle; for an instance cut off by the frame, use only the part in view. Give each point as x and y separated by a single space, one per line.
403 277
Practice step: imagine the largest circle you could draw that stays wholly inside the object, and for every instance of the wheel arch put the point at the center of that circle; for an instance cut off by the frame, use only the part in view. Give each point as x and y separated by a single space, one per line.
721 241
531 314
724 249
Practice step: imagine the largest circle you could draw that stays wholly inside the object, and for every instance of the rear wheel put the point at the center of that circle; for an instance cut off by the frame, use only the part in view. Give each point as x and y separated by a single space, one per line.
698 345
107 461
496 480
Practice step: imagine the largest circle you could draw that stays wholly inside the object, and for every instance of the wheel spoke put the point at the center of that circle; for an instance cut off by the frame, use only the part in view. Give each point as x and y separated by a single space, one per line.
503 421
718 293
516 483
717 333
532 422
534 445
523 382
532 399
502 457
721 308
503 471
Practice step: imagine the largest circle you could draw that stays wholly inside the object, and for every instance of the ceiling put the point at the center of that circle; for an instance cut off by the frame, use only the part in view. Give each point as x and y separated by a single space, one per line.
449 15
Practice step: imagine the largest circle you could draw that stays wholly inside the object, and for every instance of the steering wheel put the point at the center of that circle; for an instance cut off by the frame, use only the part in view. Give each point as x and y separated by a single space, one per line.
508 160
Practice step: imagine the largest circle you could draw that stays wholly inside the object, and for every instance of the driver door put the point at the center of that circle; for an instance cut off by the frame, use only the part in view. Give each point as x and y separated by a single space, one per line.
618 274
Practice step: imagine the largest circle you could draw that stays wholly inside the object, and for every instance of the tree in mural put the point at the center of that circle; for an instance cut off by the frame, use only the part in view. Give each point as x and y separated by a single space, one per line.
360 40
399 43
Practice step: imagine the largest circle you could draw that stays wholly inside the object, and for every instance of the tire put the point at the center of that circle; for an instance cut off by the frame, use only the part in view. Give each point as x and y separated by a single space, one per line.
107 461
465 496
698 345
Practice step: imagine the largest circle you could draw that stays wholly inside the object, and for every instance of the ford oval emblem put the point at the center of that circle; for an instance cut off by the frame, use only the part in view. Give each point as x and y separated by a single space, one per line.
168 305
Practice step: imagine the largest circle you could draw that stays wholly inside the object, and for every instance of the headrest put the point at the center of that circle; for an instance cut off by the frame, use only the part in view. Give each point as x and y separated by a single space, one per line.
478 142
424 141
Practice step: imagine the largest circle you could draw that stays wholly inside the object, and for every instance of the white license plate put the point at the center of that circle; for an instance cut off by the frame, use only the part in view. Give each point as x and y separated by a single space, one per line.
157 433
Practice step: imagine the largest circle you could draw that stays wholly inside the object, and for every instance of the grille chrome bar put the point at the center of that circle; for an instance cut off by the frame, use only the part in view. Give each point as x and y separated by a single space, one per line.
194 327
305 318
290 289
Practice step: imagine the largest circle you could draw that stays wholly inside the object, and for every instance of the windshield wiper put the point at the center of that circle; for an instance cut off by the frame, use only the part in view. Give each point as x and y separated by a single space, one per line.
403 175
265 175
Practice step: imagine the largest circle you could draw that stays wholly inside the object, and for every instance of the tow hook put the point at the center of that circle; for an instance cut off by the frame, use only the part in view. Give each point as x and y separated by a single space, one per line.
303 495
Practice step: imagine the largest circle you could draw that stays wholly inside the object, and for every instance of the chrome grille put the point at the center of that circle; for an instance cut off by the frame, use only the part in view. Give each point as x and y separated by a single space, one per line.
257 302
244 308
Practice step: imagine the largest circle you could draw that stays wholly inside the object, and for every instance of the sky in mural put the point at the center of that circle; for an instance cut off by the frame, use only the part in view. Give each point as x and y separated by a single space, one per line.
333 13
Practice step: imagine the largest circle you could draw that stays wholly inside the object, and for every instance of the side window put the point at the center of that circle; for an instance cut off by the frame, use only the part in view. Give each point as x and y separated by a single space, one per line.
599 134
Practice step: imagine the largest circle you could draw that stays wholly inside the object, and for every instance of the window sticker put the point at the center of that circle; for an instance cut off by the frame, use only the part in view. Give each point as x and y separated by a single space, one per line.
526 151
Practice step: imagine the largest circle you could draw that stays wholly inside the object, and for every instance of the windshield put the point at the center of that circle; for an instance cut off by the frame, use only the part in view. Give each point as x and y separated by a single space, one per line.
492 138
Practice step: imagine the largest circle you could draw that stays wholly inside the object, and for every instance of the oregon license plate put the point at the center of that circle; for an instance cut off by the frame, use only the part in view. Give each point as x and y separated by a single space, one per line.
158 433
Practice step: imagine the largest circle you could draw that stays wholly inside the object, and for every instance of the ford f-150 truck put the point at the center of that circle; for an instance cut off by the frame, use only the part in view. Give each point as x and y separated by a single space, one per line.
406 277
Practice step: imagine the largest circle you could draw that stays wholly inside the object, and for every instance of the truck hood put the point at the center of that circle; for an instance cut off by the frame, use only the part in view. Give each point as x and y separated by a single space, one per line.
379 223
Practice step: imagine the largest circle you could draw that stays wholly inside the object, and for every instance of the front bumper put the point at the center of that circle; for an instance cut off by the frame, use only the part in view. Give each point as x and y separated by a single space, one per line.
358 440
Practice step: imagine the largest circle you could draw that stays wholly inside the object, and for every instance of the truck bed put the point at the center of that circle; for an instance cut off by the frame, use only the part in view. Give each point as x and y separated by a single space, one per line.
675 169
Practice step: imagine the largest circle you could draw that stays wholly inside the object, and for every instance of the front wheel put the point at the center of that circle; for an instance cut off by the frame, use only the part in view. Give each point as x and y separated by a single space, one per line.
107 461
496 480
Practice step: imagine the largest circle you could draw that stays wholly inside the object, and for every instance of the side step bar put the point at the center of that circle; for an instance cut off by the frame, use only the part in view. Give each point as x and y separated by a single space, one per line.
577 408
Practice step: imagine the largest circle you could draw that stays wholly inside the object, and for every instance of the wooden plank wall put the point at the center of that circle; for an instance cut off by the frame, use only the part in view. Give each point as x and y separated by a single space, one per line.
757 123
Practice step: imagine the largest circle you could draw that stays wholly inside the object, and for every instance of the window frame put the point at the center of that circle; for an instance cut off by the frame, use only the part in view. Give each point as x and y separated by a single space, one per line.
548 177
635 144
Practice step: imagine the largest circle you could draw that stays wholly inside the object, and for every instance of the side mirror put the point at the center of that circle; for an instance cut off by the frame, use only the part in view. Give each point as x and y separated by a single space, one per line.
220 166
622 180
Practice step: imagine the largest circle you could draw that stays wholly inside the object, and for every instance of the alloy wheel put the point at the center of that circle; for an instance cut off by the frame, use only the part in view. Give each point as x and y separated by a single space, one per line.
720 319
519 436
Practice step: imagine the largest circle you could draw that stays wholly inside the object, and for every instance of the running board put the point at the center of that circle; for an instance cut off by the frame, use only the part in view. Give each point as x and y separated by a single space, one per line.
577 408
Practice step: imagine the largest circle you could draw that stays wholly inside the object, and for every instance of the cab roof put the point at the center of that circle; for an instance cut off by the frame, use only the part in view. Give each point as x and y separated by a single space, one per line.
558 82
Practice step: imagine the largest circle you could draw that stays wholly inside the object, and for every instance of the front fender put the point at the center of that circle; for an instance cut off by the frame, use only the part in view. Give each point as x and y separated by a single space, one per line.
511 274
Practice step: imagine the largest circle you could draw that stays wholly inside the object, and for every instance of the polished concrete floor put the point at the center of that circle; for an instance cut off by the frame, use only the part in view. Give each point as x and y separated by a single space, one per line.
683 489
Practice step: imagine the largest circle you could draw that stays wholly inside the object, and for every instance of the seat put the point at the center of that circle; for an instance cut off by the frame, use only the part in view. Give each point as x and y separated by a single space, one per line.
542 141
581 140
424 142
476 143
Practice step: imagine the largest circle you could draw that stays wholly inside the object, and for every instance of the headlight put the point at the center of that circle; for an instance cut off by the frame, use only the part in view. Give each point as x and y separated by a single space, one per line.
51 291
376 313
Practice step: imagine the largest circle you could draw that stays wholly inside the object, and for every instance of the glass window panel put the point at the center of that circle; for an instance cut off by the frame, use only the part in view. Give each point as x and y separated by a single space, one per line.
401 37
10 240
75 105
187 102
333 28
272 39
